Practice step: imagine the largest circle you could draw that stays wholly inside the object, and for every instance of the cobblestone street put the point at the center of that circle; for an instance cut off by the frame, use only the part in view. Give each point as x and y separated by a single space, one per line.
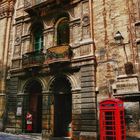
7 136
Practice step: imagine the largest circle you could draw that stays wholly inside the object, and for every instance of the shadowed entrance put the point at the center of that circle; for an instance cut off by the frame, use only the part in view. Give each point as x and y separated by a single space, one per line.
33 104
61 89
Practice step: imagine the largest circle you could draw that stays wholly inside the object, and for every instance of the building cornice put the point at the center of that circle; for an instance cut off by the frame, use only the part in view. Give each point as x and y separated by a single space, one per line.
6 8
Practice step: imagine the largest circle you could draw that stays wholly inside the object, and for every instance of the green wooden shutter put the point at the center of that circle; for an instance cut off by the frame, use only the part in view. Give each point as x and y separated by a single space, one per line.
38 42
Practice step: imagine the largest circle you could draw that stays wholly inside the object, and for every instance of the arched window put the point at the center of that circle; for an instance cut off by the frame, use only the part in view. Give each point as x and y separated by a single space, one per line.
63 32
37 37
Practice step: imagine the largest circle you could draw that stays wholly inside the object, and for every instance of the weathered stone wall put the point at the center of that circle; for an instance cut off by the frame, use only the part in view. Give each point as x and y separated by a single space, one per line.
110 17
6 11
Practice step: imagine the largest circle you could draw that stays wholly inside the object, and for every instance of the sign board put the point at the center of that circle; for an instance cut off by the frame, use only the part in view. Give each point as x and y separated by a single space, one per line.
127 85
19 111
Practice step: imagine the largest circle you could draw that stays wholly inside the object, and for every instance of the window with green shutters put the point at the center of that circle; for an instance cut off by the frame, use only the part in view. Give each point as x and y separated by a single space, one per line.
38 39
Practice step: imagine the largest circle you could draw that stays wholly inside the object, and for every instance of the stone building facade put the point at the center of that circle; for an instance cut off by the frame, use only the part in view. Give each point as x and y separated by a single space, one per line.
55 53
52 69
6 16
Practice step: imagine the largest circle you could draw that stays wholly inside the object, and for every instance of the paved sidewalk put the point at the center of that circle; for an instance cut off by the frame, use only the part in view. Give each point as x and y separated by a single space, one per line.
132 138
133 135
9 136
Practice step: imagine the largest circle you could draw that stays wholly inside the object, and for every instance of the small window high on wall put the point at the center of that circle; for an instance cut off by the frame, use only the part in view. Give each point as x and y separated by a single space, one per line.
63 32
37 33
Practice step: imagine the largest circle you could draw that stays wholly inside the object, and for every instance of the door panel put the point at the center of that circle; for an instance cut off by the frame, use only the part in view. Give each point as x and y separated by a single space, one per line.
36 111
62 111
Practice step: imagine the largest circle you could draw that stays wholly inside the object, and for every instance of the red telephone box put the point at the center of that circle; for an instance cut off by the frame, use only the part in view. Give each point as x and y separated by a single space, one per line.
112 122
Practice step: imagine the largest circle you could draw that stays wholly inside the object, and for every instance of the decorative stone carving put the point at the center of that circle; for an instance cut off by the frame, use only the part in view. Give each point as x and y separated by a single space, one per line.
85 20
6 8
18 30
19 13
76 33
86 32
85 8
77 11
16 63
85 50
20 3
17 40
49 39
86 27
17 50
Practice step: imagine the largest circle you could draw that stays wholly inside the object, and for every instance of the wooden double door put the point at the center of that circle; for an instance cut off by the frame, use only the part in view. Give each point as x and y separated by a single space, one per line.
62 114
35 108
61 90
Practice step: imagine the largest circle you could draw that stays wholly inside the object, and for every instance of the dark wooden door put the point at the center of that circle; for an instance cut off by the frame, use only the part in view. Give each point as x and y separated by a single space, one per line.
62 112
36 111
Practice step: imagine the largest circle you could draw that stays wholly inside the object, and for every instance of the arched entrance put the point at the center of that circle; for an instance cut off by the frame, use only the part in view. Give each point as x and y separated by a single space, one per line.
61 89
33 104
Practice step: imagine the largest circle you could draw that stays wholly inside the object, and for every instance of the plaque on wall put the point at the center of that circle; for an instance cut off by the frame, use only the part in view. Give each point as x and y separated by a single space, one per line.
125 85
19 111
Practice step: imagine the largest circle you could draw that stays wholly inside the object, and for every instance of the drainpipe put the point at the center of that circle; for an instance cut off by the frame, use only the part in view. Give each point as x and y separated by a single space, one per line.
94 57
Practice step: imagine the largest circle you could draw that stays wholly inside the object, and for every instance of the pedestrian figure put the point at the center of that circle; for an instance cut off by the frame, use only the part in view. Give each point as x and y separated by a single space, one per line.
29 122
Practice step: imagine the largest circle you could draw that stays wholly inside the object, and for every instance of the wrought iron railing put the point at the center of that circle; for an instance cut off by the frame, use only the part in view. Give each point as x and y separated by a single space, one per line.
58 54
32 59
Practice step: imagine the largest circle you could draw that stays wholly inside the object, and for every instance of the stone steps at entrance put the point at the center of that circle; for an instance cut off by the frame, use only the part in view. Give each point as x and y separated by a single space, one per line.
36 136
60 138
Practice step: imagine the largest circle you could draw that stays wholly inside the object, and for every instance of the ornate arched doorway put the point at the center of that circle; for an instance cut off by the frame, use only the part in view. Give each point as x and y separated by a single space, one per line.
61 90
33 104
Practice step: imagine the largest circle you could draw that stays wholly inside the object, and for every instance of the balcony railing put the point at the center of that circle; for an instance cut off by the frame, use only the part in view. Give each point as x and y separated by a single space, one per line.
32 3
29 4
58 54
32 59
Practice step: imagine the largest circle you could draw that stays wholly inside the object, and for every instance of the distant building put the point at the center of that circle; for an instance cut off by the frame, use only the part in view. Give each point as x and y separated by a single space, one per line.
55 53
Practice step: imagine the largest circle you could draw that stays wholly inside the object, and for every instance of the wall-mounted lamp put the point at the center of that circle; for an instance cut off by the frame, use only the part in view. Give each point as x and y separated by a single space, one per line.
114 88
118 38
119 41
97 90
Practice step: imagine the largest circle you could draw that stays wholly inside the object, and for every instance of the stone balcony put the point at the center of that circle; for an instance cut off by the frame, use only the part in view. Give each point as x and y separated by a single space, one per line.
32 59
32 4
58 54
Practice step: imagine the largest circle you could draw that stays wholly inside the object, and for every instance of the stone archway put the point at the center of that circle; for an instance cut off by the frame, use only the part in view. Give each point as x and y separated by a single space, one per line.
33 103
61 90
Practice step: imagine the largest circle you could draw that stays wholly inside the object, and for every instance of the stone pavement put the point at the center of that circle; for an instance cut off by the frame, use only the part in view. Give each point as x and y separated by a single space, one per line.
9 136
30 136
133 135
132 138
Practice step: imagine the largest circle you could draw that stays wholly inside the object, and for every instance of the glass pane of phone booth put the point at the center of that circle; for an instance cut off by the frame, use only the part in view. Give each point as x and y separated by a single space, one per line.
109 125
112 122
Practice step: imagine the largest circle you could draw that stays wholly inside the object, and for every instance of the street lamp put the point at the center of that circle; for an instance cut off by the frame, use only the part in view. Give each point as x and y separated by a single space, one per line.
119 41
118 38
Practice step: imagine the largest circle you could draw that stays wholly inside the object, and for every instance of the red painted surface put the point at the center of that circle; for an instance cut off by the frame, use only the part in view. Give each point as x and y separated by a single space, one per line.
112 122
29 122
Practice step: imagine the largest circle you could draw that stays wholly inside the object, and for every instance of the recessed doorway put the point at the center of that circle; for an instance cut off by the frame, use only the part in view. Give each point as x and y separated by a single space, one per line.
61 89
33 104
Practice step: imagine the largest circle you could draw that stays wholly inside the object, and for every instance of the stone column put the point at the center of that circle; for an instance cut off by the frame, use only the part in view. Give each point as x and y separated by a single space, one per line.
19 112
47 115
76 114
